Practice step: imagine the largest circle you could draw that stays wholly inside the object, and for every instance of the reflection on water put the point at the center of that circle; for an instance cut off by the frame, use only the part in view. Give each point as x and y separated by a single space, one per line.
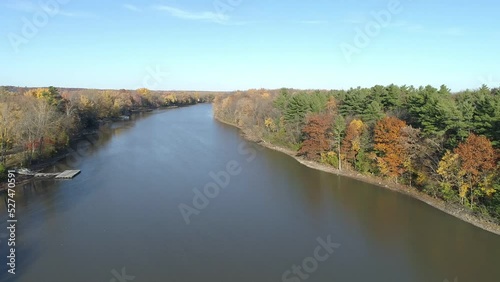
122 211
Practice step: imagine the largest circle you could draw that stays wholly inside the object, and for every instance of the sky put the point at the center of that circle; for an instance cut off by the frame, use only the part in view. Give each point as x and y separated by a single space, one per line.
225 45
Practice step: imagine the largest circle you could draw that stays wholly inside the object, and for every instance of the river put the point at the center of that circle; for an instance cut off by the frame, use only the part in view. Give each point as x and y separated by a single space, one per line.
258 215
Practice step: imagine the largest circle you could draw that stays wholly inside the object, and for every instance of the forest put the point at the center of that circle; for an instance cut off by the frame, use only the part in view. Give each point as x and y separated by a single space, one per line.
441 143
37 123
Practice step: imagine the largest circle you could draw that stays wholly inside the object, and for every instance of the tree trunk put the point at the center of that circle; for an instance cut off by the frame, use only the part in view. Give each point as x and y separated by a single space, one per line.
2 152
40 146
340 159
471 194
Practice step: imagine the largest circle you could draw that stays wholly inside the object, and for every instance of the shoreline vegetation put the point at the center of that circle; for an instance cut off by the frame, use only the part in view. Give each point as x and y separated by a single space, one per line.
317 128
39 126
43 163
432 145
453 210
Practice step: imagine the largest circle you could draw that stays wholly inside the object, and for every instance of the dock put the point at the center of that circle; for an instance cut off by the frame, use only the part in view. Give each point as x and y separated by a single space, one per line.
67 174
39 174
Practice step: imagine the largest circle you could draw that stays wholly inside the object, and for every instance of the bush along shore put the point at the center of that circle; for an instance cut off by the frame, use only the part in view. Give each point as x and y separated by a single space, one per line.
424 142
38 125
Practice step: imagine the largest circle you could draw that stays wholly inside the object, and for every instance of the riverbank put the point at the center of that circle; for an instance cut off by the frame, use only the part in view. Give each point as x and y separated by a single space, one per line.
454 210
41 164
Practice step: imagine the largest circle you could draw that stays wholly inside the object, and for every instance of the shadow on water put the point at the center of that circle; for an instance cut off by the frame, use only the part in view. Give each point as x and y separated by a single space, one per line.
122 211
39 199
404 234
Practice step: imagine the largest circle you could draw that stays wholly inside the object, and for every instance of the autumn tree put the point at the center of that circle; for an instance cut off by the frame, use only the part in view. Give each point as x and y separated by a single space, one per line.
452 177
338 131
122 103
170 99
245 111
41 124
477 158
390 151
352 141
34 123
9 117
414 153
50 95
316 135
144 96
87 110
438 121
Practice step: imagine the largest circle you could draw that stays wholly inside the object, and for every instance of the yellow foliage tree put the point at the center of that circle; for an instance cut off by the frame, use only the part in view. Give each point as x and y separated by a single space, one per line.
452 176
352 141
145 95
270 125
50 95
143 91
170 99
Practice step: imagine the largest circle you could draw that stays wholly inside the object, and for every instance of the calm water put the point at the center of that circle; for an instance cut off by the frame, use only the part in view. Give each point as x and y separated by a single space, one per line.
119 220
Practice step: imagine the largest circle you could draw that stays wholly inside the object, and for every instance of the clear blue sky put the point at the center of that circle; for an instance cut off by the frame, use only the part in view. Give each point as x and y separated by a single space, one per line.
242 44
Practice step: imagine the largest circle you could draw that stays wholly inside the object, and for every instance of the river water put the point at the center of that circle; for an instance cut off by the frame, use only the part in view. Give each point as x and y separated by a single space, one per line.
176 196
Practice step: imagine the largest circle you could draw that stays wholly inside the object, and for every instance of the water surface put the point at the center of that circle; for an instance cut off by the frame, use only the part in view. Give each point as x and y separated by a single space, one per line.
122 214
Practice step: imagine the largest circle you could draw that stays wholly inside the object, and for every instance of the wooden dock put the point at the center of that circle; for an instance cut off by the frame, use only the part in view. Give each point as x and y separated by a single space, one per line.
68 174
40 174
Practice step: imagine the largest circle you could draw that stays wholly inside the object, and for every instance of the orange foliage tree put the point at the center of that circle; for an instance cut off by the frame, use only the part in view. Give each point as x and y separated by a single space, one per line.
316 135
390 150
477 158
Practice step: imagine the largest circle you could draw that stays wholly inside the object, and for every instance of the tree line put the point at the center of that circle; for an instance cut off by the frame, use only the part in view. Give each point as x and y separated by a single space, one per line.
39 122
442 143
